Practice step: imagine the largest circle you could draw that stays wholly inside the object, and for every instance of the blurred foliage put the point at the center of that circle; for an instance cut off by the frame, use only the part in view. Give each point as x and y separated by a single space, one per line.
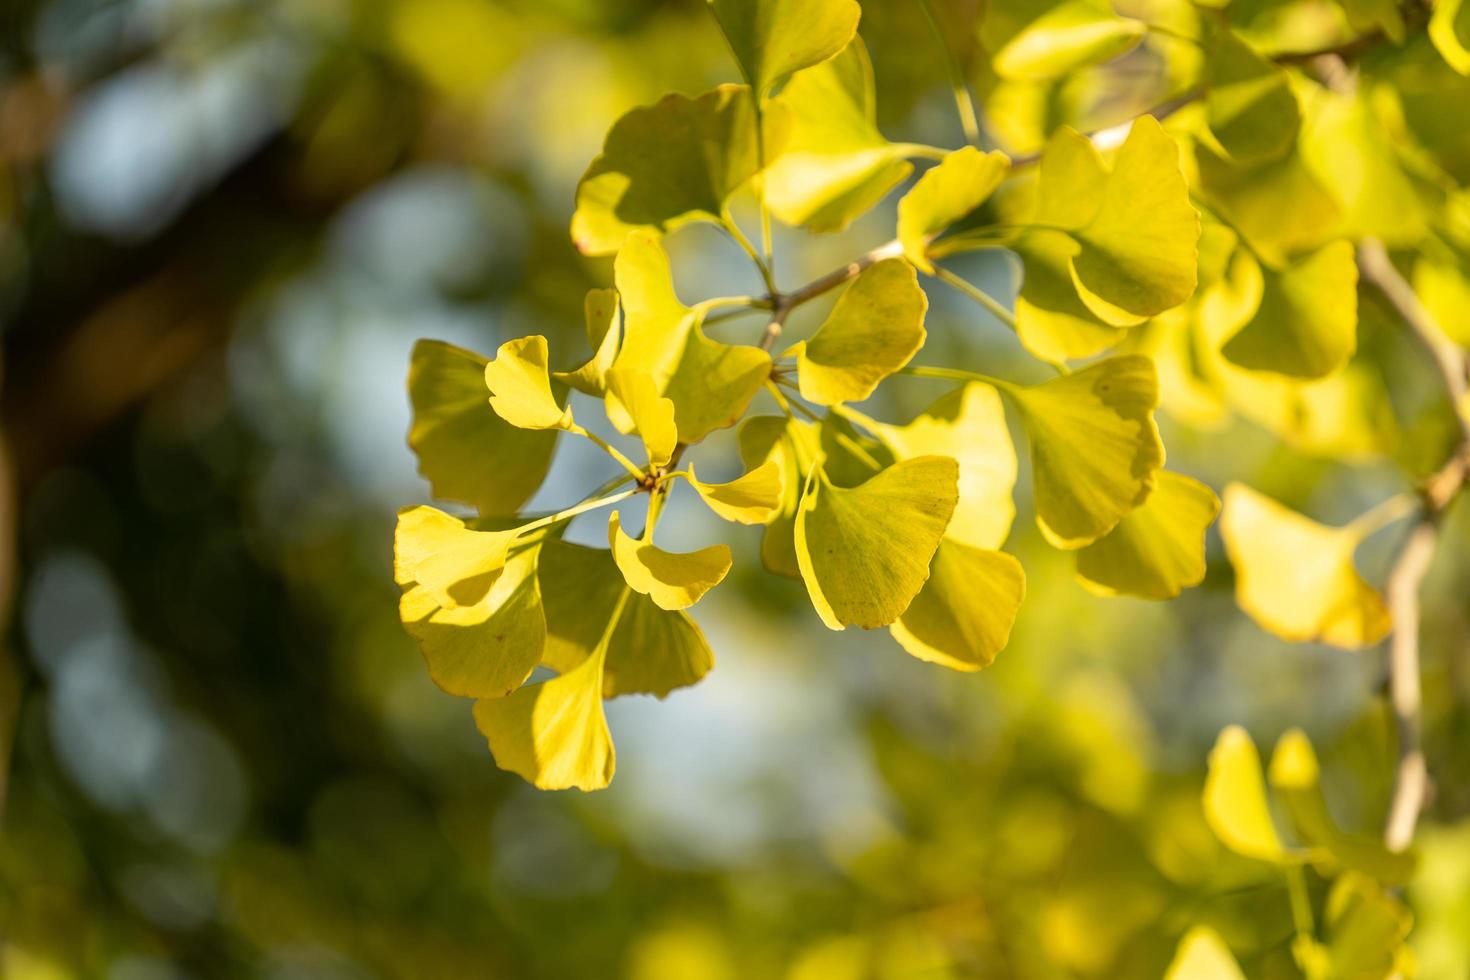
224 223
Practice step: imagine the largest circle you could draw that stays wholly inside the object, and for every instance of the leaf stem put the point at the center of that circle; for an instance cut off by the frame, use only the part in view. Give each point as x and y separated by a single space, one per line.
964 102
1382 514
1301 906
611 450
990 303
738 236
956 374
575 510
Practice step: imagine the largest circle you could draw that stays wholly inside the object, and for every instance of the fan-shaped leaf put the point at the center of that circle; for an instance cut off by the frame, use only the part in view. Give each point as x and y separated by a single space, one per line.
958 185
1052 321
773 38
864 552
769 438
1203 955
962 617
1158 549
1306 325
672 581
520 386
1249 104
1039 41
605 335
1235 798
752 499
457 566
652 414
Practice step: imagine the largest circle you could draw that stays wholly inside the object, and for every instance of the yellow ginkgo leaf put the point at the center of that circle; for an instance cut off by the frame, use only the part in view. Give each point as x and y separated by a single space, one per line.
1295 577
1095 449
1052 321
958 185
1306 325
1203 955
672 581
836 165
1036 41
875 328
968 424
864 552
1158 549
754 498
455 564
486 649
649 651
466 451
962 617
1249 104
773 38
1235 798
769 438
553 734
605 334
652 414
520 386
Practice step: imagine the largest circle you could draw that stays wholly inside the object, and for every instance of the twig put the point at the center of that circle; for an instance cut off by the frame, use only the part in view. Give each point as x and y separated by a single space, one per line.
783 304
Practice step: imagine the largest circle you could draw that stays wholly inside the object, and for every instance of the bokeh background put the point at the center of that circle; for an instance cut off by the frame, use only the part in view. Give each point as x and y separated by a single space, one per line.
223 223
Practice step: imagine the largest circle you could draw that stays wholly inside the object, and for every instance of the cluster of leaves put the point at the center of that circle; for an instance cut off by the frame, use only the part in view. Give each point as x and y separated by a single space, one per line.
1210 264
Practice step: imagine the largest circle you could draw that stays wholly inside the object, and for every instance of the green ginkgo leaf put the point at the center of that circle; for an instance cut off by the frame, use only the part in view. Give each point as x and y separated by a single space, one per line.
1449 30
1158 549
488 648
754 498
520 386
835 164
651 413
455 565
1095 449
1034 41
710 383
772 439
467 452
649 650
1249 104
1235 798
962 617
1295 776
1295 577
961 182
666 165
605 335
672 581
875 328
553 734
1052 321
864 552
969 425
1203 955
773 38
1306 325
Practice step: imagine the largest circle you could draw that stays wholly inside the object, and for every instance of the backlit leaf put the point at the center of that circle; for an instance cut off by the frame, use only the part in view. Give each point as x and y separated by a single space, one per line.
1249 104
1295 577
773 38
835 164
875 328
1449 29
1203 955
651 413
1052 321
666 165
1158 549
962 617
467 452
864 552
605 334
1037 41
773 439
752 499
1095 449
455 565
672 581
946 193
1235 798
520 386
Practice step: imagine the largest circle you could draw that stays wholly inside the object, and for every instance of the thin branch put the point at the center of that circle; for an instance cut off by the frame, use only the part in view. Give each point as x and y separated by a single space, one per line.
782 305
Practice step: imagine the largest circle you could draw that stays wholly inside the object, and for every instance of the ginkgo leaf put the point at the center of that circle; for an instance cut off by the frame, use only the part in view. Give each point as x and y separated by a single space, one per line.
1095 448
553 734
672 581
772 439
1203 955
488 648
710 383
467 452
1140 250
1367 927
1158 549
1039 41
773 38
1295 776
1249 104
1235 798
1295 577
650 650
754 498
520 386
666 165
835 164
1449 30
961 182
969 425
864 552
962 617
1306 325
652 414
1279 206
454 564
605 335
875 328
1052 321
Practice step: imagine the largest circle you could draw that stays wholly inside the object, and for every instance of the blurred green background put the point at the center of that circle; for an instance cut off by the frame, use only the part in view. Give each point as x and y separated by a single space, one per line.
222 226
